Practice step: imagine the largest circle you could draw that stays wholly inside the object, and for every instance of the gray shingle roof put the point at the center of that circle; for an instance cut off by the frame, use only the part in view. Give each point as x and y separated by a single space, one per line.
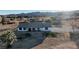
35 24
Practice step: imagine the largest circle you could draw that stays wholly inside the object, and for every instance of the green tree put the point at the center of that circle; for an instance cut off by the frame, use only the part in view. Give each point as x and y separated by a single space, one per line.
10 38
3 20
53 20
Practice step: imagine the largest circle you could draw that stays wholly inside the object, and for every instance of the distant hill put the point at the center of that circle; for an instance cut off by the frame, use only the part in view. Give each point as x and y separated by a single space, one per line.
58 15
36 14
41 14
76 13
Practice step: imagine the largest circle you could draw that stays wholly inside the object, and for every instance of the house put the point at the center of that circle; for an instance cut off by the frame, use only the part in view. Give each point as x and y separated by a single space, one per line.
0 19
39 18
8 20
34 26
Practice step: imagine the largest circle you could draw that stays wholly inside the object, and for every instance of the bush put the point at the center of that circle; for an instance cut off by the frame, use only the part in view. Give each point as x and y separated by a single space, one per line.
9 37
50 34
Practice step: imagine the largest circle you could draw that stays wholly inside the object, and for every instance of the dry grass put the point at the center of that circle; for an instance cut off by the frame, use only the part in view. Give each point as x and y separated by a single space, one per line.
4 28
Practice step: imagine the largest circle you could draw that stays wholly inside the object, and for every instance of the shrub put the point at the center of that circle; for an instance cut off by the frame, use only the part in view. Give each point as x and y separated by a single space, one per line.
9 37
50 34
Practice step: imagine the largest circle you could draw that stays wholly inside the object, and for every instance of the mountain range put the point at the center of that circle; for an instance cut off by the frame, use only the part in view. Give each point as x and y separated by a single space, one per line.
64 14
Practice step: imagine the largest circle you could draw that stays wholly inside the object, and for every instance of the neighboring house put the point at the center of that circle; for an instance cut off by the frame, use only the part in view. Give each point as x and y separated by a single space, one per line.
23 19
8 20
0 19
39 18
34 26
15 18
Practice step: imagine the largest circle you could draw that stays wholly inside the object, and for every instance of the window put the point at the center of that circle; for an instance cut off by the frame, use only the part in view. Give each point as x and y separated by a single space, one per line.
32 19
46 28
11 19
20 28
38 29
24 28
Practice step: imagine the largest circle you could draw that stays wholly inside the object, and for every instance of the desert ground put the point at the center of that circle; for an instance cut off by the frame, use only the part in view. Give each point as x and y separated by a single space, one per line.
36 42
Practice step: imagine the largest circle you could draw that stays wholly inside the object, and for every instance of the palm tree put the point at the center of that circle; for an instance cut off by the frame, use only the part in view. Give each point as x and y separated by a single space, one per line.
10 38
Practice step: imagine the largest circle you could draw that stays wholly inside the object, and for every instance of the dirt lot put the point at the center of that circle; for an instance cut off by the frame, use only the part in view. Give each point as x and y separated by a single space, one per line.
54 43
4 28
60 42
48 43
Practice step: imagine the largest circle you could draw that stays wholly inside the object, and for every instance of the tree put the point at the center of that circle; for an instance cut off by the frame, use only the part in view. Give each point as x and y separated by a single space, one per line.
3 20
53 20
10 38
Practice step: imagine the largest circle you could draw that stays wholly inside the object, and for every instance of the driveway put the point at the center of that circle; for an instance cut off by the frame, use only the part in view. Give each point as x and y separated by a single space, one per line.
30 42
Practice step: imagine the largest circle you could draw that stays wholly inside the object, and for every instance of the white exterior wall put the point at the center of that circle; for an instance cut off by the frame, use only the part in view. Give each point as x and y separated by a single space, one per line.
24 18
54 29
22 29
43 29
36 29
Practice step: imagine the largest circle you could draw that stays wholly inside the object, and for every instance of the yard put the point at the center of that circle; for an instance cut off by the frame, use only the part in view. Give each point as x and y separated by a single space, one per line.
50 41
58 43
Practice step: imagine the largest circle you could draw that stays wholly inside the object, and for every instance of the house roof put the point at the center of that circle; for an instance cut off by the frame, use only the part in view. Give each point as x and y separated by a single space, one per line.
35 24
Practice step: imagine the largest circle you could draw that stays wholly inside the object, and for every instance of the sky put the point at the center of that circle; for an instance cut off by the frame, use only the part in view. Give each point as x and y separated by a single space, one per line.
4 12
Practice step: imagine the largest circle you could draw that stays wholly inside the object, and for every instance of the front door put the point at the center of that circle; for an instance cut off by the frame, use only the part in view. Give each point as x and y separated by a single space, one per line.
33 29
29 29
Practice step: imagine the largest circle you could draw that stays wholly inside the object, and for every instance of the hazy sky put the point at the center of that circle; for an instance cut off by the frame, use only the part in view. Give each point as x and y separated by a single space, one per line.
3 12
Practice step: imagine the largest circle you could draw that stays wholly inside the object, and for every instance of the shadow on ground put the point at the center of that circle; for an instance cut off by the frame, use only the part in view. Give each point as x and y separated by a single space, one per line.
29 42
